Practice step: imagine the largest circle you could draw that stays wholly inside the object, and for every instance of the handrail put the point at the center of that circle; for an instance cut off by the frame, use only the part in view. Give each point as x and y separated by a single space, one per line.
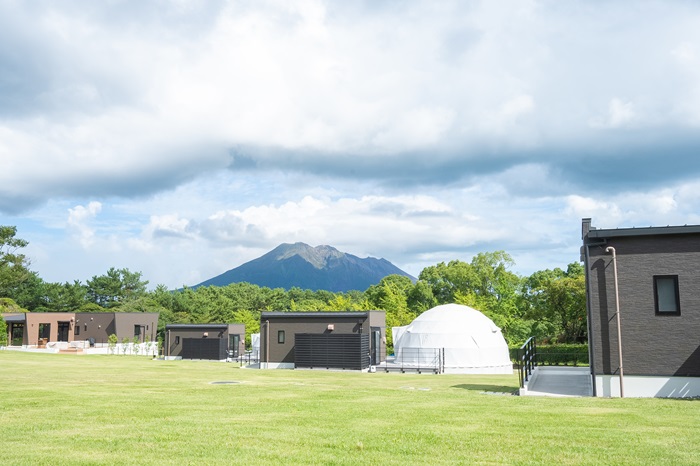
527 355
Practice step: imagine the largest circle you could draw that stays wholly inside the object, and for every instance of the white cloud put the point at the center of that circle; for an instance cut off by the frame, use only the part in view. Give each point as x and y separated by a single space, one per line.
619 114
419 132
79 222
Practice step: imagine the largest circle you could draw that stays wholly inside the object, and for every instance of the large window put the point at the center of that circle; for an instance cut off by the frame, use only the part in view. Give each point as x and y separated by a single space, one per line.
666 296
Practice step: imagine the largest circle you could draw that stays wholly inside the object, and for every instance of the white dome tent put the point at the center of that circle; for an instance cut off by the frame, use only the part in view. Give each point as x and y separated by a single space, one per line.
472 343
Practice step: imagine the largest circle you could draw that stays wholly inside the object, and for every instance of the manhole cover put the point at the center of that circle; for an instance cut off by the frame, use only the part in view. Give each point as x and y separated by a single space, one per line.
224 382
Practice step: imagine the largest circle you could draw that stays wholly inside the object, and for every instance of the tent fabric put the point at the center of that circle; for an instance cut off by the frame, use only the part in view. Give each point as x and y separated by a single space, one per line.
396 333
471 342
255 344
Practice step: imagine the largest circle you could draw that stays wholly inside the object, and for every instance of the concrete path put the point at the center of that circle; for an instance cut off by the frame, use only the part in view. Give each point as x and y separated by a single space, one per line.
559 381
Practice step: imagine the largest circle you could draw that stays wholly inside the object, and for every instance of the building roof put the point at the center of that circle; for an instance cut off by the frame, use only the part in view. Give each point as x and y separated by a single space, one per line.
199 326
324 314
21 317
642 231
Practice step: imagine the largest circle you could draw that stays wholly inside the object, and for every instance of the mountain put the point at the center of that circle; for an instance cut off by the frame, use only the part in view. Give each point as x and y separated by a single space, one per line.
314 268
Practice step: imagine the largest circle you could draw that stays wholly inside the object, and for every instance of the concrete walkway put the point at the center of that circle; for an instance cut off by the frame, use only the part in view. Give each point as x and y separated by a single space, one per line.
559 381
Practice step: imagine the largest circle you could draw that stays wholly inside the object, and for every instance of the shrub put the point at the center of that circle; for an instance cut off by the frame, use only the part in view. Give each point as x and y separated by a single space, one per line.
557 355
112 341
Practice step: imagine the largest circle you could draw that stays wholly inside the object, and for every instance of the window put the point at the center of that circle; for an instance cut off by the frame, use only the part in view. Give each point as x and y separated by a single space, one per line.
137 330
177 340
77 330
666 296
280 336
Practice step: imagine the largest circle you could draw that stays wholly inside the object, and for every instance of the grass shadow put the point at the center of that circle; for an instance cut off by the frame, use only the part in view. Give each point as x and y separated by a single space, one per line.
487 388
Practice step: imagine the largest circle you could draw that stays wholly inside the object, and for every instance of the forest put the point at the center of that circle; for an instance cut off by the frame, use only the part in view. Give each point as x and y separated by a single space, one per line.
549 304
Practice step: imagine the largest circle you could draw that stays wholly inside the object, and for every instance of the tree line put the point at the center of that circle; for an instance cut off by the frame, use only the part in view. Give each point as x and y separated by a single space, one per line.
549 304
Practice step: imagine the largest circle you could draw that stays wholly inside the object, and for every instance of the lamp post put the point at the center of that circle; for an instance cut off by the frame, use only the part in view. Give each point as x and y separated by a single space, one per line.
617 316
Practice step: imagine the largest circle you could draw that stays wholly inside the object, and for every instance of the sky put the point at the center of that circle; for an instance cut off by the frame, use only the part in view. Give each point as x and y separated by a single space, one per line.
181 139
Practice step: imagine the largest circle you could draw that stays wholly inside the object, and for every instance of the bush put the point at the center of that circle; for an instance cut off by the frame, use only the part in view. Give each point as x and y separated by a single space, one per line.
3 332
112 341
557 354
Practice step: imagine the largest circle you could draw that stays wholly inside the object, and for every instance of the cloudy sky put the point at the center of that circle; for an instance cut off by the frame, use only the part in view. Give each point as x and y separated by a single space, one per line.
184 138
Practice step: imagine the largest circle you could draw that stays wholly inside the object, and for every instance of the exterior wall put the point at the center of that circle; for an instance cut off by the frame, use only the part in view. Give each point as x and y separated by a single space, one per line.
34 319
238 329
648 386
652 345
124 323
173 347
97 325
311 322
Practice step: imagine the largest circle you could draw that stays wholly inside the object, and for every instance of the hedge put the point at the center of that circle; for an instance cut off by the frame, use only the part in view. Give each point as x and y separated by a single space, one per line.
557 355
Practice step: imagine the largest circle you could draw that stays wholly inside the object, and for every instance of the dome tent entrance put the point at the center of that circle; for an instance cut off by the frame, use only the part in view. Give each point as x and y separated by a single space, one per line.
471 342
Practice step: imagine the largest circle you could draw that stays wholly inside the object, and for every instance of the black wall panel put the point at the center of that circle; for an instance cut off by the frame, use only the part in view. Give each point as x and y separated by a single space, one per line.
331 351
204 348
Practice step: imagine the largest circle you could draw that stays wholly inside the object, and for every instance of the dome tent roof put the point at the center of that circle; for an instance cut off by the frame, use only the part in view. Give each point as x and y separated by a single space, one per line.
472 343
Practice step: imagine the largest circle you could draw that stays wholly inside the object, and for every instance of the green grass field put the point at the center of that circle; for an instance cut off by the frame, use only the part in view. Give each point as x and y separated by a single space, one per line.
73 409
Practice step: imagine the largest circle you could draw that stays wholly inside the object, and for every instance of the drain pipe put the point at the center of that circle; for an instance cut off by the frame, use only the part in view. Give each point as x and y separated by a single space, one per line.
617 316
267 344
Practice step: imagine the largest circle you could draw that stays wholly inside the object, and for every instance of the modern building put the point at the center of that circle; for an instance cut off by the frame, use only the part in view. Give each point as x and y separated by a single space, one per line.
648 280
46 329
204 341
322 340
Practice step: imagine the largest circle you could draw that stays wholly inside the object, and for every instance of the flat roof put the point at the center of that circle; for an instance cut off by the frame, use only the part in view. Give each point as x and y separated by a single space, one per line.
315 314
643 231
198 326
14 317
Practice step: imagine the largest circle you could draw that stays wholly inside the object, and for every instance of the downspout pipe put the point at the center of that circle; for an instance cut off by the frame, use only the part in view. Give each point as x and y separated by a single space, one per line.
611 249
589 318
267 344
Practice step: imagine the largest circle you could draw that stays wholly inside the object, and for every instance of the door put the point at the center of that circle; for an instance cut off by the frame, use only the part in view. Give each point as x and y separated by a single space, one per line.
63 328
376 347
234 343
139 333
17 334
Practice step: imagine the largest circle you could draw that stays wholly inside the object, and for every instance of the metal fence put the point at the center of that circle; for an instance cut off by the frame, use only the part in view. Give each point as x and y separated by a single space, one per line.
417 360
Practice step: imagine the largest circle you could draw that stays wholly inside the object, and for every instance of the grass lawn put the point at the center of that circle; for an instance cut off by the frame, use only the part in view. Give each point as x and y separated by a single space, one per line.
74 409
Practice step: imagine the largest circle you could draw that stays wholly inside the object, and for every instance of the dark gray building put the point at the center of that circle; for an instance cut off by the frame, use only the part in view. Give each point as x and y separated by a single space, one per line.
322 340
98 326
204 341
658 290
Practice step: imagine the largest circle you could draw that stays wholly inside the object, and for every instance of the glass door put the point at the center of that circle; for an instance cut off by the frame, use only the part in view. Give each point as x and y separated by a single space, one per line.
17 334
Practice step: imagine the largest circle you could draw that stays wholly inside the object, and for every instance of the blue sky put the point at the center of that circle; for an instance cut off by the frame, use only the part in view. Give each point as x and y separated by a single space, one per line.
184 138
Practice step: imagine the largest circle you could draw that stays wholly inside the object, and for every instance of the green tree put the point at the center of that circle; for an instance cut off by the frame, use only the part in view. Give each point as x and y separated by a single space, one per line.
115 287
486 284
62 297
8 305
421 298
14 269
557 298
391 296
251 320
3 332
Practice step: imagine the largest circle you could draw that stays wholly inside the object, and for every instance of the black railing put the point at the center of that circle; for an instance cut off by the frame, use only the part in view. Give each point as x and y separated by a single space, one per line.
527 360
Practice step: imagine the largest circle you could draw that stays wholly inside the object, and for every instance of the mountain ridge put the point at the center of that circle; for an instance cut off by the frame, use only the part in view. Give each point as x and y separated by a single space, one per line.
299 265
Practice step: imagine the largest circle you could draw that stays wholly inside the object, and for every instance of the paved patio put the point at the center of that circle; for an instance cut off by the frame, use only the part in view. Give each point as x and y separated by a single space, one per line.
559 381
